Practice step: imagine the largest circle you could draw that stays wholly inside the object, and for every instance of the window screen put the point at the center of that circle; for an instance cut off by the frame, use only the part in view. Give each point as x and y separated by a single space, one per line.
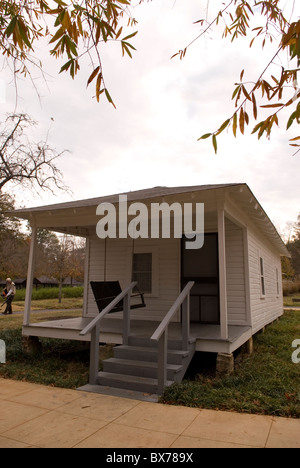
142 271
262 277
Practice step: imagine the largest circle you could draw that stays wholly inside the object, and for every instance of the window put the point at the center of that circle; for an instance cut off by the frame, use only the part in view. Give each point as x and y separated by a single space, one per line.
142 271
277 282
262 277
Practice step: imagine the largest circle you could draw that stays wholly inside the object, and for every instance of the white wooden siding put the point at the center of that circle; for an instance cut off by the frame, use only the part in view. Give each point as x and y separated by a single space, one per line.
119 266
264 309
235 274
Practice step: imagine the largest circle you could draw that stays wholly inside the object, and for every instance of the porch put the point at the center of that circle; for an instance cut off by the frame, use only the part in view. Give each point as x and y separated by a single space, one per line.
207 337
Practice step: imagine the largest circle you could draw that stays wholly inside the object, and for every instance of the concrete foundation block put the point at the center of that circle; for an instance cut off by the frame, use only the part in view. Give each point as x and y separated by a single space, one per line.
31 345
250 346
225 364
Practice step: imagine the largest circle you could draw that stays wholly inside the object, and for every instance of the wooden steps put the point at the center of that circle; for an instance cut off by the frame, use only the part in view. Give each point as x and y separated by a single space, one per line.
135 366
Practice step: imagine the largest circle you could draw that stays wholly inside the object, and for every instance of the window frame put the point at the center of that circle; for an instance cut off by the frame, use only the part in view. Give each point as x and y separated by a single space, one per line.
262 277
154 250
145 271
277 282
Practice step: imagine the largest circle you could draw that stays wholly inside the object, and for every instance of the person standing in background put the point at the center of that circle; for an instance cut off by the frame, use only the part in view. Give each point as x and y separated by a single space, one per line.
9 294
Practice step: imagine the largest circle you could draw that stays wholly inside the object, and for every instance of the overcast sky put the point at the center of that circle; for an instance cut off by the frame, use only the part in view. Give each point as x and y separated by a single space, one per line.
163 107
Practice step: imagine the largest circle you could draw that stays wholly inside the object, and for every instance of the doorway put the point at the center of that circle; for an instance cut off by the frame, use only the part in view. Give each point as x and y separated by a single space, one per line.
202 266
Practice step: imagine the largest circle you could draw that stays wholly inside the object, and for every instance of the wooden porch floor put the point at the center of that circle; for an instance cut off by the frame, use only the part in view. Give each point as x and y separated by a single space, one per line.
207 336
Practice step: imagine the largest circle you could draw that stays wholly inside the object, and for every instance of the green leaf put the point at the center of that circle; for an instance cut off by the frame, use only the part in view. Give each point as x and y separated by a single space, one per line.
60 18
10 28
236 91
57 35
125 49
129 45
23 33
93 75
60 2
108 97
130 36
223 126
66 66
204 137
291 120
257 127
215 145
270 106
234 125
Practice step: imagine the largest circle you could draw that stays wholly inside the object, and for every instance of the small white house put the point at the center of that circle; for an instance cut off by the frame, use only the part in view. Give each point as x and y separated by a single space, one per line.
211 299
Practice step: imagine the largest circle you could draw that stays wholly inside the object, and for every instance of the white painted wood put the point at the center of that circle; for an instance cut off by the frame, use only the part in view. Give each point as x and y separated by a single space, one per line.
235 274
247 278
107 309
222 275
118 267
168 318
30 276
86 277
264 309
243 237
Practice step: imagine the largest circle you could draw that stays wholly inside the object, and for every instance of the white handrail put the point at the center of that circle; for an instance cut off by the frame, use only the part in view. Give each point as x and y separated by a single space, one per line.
107 309
161 333
94 328
167 319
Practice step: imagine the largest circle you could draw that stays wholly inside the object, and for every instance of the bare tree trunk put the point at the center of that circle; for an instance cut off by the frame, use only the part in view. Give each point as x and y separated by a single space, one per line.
60 290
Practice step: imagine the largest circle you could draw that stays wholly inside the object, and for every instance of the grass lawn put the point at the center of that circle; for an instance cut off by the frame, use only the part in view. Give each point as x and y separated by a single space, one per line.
47 304
61 363
266 382
288 300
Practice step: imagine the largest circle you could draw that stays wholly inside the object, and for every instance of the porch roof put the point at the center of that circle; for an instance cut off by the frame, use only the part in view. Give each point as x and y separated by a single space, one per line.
138 195
240 194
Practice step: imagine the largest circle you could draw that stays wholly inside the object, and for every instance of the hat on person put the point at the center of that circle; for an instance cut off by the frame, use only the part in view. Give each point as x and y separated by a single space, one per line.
8 280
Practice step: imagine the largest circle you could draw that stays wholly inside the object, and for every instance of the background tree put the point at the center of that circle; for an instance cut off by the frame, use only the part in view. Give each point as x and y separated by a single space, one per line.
14 247
32 165
77 259
63 261
47 243
288 271
294 248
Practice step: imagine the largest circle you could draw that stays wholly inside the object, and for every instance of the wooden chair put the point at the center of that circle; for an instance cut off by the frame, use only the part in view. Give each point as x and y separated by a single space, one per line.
106 291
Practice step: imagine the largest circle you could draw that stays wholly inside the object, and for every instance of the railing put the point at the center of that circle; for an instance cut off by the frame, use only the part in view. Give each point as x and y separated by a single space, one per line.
94 328
161 333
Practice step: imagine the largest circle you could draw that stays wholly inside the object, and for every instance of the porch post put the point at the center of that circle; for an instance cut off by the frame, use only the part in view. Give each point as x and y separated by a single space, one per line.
30 276
126 319
86 276
162 362
186 323
222 275
94 355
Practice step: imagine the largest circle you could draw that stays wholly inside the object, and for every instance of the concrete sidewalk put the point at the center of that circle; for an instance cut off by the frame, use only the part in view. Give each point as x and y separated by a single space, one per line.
36 416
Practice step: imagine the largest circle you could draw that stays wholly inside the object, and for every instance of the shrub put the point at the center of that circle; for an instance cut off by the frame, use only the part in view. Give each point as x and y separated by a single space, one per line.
50 293
290 287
